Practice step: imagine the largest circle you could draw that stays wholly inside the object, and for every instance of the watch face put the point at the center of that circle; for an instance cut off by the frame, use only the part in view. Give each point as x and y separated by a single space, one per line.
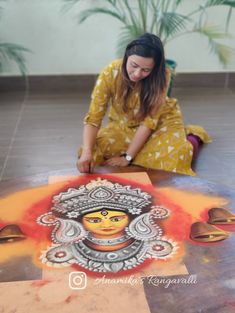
128 158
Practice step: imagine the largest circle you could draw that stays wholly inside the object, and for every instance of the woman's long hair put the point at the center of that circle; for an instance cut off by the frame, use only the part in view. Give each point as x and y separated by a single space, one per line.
153 86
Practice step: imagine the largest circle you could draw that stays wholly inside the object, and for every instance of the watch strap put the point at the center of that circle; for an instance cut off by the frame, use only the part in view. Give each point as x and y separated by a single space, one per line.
127 156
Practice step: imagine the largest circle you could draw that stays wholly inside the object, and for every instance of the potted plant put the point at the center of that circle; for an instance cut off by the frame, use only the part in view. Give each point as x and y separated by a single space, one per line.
13 52
162 17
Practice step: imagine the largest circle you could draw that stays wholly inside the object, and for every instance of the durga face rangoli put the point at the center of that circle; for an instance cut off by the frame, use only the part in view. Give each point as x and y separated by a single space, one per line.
105 227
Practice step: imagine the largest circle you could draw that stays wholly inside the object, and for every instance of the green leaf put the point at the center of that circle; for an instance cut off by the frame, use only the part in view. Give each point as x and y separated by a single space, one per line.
1 8
89 12
179 2
230 3
13 52
161 18
212 32
126 36
170 24
68 4
143 9
133 19
223 52
228 19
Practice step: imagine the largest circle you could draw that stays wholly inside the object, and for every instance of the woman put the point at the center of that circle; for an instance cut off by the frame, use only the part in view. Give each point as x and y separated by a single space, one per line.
145 127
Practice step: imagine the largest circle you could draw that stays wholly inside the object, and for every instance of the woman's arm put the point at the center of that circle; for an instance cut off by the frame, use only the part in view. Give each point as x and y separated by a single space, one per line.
84 163
141 136
100 98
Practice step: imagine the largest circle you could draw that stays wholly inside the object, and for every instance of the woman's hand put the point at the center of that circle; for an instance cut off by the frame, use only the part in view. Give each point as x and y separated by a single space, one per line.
84 163
117 161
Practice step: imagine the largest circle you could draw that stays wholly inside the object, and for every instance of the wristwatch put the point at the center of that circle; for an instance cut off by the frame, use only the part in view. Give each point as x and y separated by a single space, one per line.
127 156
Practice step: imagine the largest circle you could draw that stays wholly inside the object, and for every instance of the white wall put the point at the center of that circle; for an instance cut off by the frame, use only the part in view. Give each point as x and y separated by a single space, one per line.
61 46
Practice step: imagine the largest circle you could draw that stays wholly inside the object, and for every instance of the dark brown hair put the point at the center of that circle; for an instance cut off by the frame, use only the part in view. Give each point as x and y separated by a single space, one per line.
151 87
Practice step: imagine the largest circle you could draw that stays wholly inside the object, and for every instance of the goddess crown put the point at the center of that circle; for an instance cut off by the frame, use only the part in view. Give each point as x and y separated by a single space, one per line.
100 194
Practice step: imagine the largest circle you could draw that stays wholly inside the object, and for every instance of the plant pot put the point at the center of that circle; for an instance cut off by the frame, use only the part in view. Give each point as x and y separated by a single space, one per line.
171 64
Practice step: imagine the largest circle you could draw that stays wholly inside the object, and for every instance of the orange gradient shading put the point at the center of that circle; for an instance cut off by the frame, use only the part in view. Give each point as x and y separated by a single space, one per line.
191 207
24 207
16 249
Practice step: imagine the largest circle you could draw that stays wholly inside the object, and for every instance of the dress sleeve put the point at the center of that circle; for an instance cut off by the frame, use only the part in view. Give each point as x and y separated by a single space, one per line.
100 97
151 121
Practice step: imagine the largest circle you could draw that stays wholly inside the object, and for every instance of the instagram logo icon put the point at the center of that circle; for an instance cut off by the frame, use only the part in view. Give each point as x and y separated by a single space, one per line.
77 280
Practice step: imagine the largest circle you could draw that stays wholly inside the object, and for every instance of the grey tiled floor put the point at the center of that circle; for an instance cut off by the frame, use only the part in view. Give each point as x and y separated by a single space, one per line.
42 133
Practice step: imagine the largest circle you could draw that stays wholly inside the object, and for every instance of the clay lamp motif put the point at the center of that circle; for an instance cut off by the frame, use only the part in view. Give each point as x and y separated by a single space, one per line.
11 233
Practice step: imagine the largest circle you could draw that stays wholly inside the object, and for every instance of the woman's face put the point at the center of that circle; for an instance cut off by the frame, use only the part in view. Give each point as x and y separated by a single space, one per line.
105 222
139 67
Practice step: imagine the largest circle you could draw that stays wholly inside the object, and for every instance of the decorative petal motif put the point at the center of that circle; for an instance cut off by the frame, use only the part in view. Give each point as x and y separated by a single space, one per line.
101 194
142 228
58 256
68 231
135 211
114 267
47 219
159 212
162 249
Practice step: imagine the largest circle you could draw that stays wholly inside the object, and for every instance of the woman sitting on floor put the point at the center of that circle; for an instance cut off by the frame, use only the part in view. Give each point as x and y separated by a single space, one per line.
145 127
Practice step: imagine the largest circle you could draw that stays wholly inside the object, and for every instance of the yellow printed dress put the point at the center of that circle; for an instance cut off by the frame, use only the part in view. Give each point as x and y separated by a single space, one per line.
167 148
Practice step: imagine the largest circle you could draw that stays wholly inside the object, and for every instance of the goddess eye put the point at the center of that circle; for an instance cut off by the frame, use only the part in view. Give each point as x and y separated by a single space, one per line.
94 220
117 218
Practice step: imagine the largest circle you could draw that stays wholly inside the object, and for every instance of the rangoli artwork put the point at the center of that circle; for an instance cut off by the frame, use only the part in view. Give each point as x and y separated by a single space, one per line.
105 227
115 228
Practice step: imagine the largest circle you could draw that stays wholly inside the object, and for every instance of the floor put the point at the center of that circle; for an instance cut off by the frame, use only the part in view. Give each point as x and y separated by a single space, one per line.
41 132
